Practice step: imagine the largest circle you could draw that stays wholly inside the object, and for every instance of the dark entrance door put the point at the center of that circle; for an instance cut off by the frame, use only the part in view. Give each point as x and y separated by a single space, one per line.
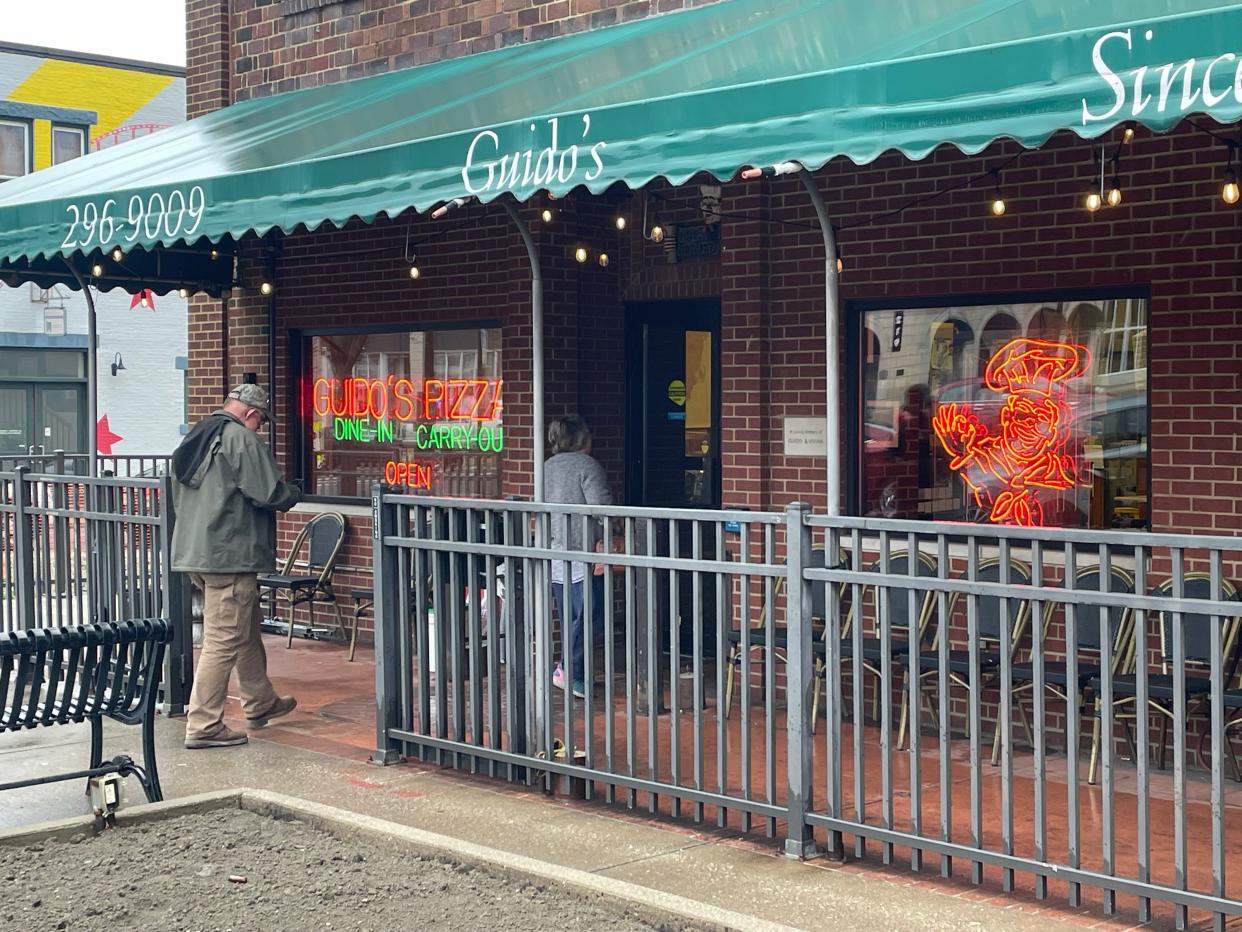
37 419
673 450
673 423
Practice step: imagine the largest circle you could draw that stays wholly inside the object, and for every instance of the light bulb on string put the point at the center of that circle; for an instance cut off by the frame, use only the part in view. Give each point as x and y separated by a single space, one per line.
414 272
143 300
1229 192
603 260
1128 133
118 254
657 234
1093 201
266 289
97 270
184 292
1114 192
620 222
581 254
547 215
997 206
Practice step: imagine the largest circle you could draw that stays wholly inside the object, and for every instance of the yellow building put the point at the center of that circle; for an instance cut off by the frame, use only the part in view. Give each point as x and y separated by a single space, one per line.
55 106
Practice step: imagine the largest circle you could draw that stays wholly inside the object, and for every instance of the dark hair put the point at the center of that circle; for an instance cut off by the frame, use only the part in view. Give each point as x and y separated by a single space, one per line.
568 434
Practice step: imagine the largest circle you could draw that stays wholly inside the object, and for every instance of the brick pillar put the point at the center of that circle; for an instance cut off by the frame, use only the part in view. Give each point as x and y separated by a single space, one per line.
208 61
743 338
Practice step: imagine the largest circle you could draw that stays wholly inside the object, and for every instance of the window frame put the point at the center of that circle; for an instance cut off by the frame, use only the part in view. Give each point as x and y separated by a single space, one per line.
28 127
856 311
68 128
300 362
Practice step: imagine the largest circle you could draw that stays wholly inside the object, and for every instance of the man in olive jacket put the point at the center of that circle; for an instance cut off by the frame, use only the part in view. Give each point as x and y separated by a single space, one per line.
227 493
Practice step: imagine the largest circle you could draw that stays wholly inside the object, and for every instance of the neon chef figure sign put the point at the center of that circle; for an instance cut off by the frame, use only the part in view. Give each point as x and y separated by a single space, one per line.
1007 469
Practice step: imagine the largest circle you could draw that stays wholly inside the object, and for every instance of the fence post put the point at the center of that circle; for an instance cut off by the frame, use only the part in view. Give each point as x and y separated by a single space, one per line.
386 572
517 649
179 660
800 682
23 543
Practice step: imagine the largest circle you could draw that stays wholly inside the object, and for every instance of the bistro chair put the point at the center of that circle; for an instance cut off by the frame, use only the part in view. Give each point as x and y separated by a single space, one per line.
310 581
1197 634
990 623
757 635
1233 706
755 638
898 609
1056 672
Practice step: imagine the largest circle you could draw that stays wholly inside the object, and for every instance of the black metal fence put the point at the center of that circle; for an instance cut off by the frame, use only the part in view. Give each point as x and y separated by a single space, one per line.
956 695
76 550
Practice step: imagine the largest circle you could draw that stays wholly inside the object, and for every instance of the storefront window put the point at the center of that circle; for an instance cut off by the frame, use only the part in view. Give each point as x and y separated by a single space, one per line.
1025 414
419 409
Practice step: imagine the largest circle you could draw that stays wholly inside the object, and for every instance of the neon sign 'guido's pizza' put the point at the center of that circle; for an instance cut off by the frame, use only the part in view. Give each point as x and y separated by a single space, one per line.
407 400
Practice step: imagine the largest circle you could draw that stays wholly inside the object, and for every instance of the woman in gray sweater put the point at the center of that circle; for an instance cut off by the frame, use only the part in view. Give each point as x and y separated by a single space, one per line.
573 477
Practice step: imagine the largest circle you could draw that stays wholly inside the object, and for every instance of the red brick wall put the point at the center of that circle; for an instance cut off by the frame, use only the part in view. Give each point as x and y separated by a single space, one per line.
282 46
1172 234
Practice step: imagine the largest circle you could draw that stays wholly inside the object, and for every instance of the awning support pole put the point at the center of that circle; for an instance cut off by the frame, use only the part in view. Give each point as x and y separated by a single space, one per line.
537 585
832 346
92 373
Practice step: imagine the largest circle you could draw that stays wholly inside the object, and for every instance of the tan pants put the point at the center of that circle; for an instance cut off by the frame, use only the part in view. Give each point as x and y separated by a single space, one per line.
231 638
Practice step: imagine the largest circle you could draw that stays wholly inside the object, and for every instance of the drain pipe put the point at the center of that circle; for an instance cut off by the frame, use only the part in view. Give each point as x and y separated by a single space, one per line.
800 842
542 633
92 373
832 327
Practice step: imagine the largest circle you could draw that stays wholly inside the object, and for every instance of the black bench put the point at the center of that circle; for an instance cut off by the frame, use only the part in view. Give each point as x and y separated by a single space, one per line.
55 676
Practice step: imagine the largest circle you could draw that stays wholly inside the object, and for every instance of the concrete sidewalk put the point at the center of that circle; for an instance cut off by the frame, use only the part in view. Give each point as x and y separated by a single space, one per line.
716 869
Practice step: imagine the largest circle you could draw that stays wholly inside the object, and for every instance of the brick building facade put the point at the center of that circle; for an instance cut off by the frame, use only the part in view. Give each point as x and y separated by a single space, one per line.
1172 241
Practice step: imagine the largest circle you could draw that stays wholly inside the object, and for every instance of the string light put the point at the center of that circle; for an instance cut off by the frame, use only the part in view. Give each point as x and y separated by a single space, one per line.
655 232
215 254
581 254
547 214
603 260
266 289
184 292
1127 134
998 200
414 272
118 254
97 270
1114 192
620 222
1093 201
1229 192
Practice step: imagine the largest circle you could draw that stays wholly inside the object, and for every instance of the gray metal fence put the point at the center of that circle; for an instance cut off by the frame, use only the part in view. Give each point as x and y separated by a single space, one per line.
60 463
954 695
76 551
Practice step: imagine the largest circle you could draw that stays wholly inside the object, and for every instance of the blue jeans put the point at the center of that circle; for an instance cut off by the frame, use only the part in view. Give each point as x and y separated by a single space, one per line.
575 666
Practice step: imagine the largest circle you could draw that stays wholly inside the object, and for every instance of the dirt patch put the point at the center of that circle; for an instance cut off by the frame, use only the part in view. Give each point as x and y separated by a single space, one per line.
234 870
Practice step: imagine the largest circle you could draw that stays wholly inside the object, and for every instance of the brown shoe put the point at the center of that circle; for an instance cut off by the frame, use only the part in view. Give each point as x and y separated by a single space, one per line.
283 706
224 738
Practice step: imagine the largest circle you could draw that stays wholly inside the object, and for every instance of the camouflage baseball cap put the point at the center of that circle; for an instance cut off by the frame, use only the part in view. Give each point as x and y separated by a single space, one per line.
255 397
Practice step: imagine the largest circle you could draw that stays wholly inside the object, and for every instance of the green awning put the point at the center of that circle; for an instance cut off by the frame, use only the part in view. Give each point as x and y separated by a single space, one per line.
712 89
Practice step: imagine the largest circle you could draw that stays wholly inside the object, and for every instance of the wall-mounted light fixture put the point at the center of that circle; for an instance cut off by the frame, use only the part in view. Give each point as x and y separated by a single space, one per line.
118 364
